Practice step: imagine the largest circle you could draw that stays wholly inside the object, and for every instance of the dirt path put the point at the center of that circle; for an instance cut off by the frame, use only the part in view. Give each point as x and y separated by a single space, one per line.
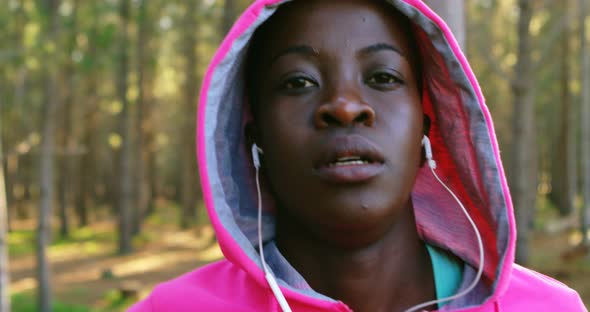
85 276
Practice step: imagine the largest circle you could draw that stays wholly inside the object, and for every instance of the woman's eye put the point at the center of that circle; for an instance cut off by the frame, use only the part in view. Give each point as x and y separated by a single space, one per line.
387 79
298 83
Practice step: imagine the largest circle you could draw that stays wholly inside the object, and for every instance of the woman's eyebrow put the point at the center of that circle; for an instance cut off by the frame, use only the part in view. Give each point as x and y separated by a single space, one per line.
304 50
381 46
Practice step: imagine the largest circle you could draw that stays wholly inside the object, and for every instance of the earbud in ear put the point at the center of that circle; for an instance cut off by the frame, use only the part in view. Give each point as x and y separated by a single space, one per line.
256 151
428 152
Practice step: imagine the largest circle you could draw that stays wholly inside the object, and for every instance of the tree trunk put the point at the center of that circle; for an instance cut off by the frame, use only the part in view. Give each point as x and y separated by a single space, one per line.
69 158
572 133
47 165
4 270
85 178
12 175
523 173
23 179
453 13
88 175
189 177
63 194
65 167
7 187
564 181
152 180
143 125
125 192
585 81
87 171
571 182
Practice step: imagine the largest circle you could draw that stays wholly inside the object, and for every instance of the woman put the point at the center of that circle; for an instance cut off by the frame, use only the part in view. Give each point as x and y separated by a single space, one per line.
320 116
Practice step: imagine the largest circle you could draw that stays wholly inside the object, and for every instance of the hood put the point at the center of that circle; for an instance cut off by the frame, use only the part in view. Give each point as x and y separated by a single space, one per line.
463 141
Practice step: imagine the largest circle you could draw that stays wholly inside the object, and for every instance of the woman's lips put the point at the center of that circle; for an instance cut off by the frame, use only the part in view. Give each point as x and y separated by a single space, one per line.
349 159
349 173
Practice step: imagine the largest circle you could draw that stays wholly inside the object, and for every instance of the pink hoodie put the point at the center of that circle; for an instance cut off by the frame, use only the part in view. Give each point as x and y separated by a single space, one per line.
468 160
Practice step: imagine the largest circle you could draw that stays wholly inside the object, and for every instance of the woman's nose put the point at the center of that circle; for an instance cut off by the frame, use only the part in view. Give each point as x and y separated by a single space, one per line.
345 110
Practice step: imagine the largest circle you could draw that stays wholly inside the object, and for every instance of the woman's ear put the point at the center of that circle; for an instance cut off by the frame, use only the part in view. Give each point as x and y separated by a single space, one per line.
426 128
426 125
251 133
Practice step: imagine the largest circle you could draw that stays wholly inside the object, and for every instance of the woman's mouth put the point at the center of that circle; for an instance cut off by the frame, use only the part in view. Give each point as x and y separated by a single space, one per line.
349 159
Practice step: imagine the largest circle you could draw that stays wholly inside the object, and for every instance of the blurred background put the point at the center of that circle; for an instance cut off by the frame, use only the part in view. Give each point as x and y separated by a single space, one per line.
99 190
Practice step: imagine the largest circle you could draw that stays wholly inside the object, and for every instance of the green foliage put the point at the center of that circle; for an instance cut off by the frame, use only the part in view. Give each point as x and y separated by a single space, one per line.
21 242
86 239
143 239
546 211
115 301
27 303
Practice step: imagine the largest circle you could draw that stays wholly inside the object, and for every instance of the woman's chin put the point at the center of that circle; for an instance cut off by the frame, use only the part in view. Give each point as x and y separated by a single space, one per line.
356 231
347 222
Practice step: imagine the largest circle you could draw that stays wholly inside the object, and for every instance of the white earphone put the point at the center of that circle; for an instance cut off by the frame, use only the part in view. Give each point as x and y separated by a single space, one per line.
428 152
256 151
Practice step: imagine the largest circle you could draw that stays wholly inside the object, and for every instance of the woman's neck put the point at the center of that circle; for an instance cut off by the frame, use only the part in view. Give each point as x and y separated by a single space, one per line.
390 274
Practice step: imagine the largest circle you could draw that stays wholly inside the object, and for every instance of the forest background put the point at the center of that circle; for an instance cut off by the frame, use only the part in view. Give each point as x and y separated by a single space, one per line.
99 191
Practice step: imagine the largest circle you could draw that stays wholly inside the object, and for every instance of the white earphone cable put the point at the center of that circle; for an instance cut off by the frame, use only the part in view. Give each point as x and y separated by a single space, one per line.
260 249
432 166
267 274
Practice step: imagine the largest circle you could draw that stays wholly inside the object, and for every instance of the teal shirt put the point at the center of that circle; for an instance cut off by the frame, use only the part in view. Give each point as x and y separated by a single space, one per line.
447 270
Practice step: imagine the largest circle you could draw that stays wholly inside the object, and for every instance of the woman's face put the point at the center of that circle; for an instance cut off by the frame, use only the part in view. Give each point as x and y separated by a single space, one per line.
339 117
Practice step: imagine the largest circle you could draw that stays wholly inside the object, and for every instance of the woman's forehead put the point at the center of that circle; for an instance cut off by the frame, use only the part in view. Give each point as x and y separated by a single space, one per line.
337 24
